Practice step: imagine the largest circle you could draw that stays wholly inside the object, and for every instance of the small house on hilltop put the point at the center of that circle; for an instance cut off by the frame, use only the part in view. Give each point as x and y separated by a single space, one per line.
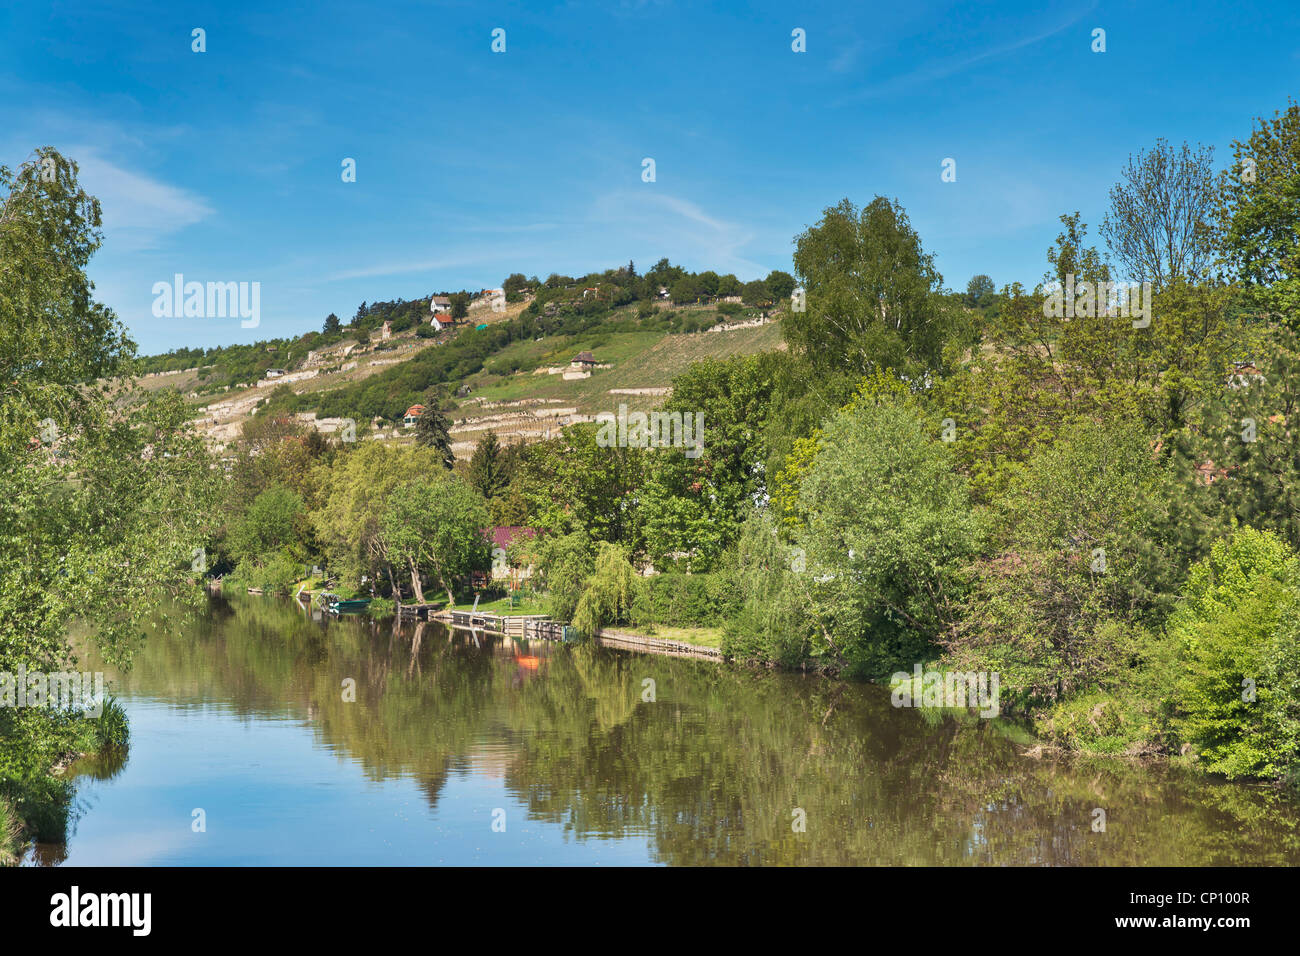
583 360
440 304
412 414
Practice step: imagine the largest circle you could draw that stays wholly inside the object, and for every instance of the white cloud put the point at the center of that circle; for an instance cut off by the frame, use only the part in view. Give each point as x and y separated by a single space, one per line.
668 222
138 210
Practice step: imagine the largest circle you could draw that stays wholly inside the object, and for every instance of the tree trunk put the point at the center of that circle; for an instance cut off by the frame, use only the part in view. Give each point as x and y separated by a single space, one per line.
415 582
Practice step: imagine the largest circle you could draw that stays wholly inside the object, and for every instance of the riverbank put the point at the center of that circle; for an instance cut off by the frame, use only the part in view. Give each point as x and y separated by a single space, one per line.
10 834
699 642
40 806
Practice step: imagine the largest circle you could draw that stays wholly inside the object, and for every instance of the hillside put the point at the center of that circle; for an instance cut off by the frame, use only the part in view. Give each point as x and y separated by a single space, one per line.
498 378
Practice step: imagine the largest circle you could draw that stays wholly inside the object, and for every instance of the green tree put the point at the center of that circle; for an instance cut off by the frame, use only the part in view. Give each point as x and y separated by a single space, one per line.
1238 712
106 496
694 500
1258 214
433 430
780 284
685 289
755 293
563 562
573 483
979 291
728 285
353 491
459 305
487 467
872 293
886 529
1087 552
332 324
513 286
436 525
609 594
1160 224
275 522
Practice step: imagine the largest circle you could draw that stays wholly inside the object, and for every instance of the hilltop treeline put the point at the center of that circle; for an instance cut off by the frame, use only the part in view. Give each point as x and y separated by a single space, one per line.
555 303
234 365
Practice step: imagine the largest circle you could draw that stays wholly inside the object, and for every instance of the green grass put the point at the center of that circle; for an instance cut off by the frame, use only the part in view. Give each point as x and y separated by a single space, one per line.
381 607
10 834
524 605
639 359
695 636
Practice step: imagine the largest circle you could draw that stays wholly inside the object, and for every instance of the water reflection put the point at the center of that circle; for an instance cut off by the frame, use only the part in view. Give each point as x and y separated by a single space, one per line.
243 707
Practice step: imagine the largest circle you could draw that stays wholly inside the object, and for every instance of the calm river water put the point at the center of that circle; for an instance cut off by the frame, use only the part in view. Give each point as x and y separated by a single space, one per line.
464 751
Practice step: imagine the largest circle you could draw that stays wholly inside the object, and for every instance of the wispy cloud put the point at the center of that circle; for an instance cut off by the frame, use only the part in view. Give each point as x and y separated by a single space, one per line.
139 211
405 267
937 71
847 58
670 222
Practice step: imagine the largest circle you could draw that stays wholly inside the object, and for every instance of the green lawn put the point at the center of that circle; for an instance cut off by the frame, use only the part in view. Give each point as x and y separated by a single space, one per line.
502 606
697 636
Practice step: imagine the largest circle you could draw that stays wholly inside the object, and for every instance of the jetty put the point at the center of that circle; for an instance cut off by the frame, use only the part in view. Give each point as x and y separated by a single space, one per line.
528 626
655 645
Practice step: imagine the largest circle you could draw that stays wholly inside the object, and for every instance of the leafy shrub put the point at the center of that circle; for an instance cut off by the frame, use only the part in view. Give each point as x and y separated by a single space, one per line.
1084 560
886 528
686 600
1238 625
274 574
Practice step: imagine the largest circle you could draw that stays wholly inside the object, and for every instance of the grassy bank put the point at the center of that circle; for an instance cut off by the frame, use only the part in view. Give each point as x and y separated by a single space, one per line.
503 606
35 795
10 834
710 637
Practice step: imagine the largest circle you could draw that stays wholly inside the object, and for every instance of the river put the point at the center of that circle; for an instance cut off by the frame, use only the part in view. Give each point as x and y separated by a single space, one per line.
471 750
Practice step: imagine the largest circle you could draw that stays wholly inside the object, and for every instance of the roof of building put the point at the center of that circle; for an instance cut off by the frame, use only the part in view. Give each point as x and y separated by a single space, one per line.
414 411
585 357
502 535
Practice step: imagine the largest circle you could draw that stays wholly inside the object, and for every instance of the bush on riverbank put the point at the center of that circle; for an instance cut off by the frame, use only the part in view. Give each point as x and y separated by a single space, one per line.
10 834
686 600
1235 700
39 802
278 573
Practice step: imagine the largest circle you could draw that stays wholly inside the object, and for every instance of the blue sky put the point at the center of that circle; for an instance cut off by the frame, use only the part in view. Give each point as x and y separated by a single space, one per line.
225 165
